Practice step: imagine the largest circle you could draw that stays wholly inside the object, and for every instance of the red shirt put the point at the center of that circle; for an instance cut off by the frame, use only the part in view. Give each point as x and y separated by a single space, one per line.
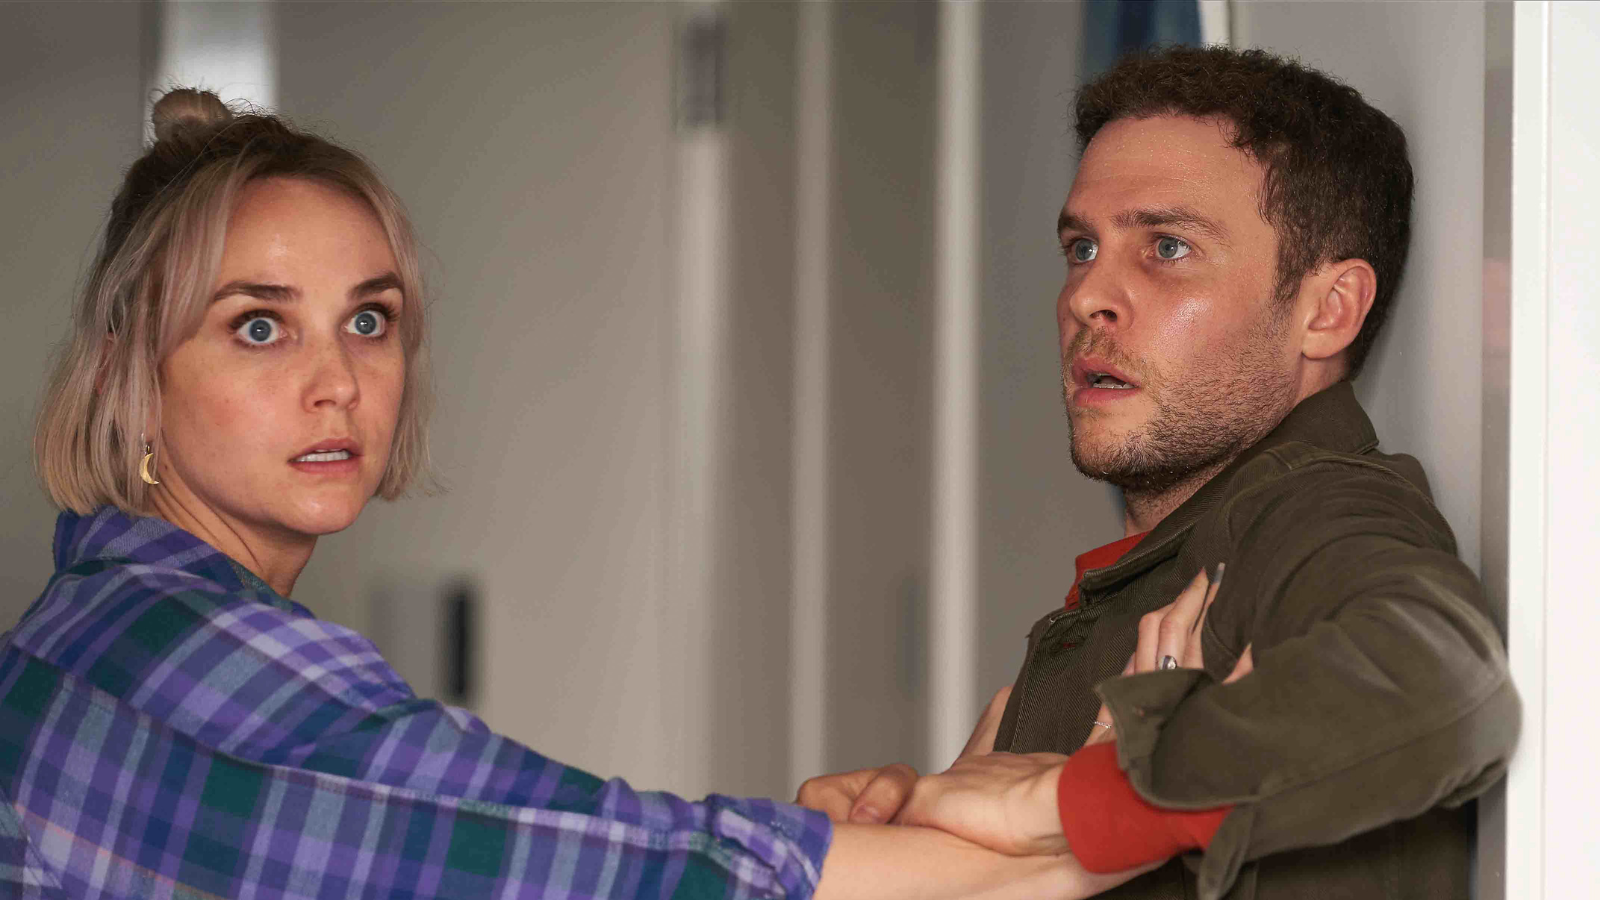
1107 824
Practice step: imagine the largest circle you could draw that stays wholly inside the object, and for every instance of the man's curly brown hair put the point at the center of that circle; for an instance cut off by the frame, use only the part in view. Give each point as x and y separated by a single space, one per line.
1338 183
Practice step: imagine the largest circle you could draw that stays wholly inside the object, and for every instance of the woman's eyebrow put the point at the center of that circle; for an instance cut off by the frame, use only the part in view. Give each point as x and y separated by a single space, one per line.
388 281
274 293
283 293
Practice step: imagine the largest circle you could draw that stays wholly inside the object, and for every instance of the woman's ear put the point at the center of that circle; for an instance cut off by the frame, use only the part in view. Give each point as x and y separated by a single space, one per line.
1340 303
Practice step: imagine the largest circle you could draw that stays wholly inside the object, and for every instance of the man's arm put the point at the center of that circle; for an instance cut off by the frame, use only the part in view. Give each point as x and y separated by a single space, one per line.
1380 686
1381 693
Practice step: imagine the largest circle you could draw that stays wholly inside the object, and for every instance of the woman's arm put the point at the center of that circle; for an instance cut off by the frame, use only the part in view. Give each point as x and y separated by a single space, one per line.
885 862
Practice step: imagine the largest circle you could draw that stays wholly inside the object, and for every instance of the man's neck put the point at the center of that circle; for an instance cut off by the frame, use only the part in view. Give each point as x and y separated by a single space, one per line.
1144 510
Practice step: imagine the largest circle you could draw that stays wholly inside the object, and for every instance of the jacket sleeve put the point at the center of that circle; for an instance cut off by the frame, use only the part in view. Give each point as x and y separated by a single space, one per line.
1380 687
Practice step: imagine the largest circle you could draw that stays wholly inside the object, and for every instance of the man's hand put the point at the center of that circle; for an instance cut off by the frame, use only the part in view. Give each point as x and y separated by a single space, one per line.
1003 801
1173 632
983 735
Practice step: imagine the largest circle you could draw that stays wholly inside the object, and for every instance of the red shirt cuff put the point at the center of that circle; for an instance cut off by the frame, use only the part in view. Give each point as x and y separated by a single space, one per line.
1110 827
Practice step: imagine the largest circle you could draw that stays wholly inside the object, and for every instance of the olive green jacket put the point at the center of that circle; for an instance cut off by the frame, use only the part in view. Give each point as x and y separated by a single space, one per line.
1380 701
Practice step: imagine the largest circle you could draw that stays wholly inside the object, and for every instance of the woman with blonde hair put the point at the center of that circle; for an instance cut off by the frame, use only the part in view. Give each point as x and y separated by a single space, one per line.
247 368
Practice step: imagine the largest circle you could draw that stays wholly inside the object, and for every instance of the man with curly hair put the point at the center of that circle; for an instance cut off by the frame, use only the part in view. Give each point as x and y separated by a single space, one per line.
1316 726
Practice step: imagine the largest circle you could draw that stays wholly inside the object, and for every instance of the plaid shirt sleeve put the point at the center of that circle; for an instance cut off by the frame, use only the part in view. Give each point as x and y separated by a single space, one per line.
160 736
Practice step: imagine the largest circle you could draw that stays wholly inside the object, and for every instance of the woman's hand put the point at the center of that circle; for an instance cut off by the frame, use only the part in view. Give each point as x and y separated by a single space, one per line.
1169 638
875 796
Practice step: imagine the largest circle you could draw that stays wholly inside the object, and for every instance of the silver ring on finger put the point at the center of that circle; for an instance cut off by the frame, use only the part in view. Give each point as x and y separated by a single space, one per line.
1168 662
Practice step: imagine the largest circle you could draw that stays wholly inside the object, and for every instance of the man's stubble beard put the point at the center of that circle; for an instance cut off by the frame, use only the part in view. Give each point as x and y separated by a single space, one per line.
1203 418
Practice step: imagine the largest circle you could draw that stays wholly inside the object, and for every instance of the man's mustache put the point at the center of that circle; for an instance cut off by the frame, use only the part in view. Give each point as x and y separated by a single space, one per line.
1096 344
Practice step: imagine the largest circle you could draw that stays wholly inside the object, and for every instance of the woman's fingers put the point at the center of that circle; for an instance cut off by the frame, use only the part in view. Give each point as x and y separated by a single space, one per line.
883 796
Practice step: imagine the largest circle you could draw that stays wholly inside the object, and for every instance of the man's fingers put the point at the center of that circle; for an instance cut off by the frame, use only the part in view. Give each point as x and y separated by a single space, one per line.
1099 734
982 739
1211 596
1245 665
1193 651
1171 632
883 796
1144 654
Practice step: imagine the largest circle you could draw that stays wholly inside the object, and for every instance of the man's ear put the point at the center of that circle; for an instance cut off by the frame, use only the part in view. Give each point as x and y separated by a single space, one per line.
1341 296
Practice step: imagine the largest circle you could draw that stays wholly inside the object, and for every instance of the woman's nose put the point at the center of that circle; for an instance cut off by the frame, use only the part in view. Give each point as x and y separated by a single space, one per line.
333 380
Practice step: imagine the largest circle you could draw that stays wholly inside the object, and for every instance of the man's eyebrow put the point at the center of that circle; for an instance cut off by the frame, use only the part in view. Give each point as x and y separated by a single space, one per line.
1169 216
1069 222
1153 217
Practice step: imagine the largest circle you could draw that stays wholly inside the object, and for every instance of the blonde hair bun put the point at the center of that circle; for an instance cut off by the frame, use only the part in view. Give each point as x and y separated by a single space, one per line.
187 109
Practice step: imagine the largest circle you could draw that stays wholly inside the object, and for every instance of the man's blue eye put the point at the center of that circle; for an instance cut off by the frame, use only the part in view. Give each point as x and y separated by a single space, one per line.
1171 248
368 323
1082 250
260 330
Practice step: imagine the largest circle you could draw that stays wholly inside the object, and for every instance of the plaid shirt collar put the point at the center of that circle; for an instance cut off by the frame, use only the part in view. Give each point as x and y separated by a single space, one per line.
112 535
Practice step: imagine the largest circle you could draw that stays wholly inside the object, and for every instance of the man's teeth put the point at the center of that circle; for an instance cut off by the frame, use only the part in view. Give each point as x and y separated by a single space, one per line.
330 456
1106 381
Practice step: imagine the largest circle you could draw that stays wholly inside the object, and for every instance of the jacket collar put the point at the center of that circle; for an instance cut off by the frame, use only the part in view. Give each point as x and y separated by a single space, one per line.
1331 419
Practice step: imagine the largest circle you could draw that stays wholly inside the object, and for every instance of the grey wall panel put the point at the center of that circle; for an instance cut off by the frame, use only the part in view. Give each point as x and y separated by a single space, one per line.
1037 512
71 98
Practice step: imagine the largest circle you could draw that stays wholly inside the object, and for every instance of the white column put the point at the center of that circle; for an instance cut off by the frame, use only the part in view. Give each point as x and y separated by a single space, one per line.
953 701
808 653
1571 677
1553 786
1216 22
702 367
1528 432
229 48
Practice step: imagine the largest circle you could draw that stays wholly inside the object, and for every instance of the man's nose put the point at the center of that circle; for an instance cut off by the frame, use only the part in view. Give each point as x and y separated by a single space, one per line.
1097 299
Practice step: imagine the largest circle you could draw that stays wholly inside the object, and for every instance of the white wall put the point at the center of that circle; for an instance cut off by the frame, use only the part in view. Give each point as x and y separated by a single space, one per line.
1423 64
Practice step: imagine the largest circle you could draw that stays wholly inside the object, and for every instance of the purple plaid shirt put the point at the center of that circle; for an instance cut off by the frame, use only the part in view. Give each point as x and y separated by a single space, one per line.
170 727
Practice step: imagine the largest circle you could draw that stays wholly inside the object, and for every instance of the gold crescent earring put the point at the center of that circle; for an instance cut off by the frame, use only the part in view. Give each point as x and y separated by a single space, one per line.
144 464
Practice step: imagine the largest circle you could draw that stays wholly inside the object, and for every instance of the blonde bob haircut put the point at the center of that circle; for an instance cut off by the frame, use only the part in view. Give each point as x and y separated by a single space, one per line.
151 283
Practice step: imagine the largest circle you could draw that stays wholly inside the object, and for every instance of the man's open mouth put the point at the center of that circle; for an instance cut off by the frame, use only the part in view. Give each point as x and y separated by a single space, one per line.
1102 380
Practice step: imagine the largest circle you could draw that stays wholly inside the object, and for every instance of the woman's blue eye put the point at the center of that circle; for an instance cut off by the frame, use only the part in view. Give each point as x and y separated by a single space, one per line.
1171 248
260 331
368 323
1082 250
